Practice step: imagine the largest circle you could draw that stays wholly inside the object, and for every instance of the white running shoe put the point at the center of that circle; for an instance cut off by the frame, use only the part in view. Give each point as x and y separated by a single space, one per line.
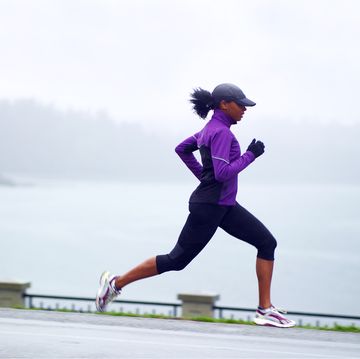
107 291
273 317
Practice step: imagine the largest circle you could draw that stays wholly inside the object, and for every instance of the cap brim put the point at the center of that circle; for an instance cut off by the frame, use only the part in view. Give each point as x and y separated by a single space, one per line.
245 102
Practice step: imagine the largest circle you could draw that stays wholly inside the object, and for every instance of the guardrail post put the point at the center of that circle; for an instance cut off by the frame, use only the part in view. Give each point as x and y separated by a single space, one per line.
198 305
12 293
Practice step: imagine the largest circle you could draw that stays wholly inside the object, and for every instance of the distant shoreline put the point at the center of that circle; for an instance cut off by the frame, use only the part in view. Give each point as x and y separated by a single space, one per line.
4 181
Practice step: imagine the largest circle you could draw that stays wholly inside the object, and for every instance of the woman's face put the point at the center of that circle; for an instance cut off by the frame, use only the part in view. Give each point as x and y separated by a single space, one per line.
232 109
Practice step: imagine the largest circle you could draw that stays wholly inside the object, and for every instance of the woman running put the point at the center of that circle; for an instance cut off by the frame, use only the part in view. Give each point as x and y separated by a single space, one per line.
213 203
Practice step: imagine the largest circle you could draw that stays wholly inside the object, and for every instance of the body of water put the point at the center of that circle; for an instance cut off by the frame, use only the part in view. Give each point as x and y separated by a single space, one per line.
61 235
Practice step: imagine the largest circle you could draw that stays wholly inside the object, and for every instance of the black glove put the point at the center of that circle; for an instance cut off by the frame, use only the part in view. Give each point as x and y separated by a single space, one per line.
256 147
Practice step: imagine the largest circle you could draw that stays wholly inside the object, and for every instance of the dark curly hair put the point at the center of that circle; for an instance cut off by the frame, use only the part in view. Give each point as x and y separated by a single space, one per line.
202 101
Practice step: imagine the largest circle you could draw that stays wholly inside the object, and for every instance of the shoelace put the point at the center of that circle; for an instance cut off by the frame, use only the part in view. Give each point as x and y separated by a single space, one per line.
280 310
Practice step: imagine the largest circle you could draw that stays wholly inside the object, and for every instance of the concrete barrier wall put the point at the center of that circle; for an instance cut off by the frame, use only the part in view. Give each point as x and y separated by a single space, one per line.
198 305
12 293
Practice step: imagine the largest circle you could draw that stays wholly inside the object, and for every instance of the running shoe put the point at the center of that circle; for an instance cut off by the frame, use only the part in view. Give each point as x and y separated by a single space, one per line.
107 291
273 317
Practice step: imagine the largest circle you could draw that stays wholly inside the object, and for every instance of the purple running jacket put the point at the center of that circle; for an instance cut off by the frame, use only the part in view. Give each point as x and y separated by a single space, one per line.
221 161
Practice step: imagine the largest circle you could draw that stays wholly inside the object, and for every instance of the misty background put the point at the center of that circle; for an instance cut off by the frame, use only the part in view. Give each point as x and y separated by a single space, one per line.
100 89
41 140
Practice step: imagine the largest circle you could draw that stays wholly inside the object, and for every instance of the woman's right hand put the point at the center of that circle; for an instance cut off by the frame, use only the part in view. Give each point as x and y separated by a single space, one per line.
256 147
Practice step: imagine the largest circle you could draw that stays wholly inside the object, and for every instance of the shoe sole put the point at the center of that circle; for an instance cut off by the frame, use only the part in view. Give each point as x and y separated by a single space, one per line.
269 323
103 279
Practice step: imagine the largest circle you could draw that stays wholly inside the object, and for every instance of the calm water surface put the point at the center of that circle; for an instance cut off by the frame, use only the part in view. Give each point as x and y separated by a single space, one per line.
61 235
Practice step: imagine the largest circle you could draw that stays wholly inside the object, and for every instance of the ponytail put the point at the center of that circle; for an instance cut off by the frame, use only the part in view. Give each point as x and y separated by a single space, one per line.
202 101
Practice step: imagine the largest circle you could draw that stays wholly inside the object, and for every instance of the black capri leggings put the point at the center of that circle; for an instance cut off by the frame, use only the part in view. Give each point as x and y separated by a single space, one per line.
202 223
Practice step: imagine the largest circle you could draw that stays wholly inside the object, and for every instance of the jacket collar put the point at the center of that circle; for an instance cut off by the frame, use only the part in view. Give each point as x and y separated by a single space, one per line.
222 117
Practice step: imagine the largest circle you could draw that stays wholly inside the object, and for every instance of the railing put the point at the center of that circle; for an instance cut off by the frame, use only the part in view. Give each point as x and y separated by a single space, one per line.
172 308
91 308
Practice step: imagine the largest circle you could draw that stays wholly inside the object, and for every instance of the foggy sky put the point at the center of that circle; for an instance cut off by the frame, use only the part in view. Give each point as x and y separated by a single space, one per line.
138 60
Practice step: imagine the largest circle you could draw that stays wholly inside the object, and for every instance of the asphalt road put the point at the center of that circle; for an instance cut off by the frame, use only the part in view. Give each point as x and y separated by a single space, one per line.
41 334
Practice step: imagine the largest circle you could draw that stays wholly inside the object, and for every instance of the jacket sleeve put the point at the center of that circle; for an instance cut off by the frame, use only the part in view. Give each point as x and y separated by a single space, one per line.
220 153
185 150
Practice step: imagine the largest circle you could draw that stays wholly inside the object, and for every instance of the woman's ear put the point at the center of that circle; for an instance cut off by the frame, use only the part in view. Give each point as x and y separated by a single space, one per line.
223 105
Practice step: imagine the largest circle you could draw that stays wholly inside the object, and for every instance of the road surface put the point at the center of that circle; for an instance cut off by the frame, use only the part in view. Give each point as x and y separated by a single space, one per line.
42 334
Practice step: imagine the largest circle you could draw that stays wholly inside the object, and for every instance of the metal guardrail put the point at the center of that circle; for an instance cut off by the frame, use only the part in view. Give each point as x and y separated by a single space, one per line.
29 299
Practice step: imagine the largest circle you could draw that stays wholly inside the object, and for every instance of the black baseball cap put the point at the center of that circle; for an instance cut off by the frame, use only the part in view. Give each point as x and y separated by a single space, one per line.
230 92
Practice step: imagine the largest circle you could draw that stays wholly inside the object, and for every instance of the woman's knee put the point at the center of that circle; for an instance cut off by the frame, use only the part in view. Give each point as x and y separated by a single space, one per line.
166 263
176 260
267 249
